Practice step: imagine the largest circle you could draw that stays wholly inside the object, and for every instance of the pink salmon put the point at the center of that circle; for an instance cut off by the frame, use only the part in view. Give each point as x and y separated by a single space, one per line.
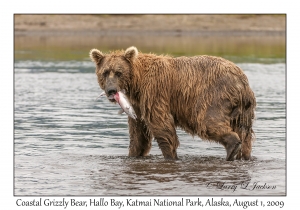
124 104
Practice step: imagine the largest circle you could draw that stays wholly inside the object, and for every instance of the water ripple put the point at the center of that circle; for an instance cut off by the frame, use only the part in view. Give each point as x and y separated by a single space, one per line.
58 124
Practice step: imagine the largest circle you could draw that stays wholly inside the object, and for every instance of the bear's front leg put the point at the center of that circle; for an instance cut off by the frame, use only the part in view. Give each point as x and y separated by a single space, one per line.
140 138
165 133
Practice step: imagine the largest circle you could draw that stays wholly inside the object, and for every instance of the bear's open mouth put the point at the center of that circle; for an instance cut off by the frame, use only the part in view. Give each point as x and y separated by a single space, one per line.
111 98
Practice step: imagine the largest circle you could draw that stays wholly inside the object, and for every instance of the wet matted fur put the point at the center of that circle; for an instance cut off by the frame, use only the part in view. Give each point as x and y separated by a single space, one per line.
204 95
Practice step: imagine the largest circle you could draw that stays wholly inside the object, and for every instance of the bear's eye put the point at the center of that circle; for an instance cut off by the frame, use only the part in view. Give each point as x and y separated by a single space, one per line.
118 74
105 73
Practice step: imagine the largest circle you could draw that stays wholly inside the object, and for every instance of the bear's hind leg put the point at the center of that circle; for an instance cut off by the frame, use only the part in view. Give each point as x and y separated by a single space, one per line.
247 138
232 144
218 129
230 141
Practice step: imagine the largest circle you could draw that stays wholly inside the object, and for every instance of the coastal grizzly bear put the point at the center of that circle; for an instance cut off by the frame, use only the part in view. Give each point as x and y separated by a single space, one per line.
204 95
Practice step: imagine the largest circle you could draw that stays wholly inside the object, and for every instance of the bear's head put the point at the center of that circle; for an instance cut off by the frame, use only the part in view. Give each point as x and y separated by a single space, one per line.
114 70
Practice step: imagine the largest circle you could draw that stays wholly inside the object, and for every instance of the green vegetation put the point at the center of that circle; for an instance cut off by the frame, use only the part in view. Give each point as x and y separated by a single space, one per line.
237 49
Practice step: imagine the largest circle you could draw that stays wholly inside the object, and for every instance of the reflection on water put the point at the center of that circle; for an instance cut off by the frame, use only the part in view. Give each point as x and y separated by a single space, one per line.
191 175
70 174
67 143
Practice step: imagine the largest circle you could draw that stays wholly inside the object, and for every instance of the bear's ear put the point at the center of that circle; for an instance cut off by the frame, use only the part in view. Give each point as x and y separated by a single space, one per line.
131 53
96 55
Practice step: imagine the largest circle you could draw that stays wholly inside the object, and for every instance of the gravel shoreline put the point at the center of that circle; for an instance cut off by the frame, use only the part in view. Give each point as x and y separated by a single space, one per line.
150 25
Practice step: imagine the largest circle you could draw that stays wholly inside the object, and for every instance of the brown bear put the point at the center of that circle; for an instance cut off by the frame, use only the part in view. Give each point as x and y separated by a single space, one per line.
204 95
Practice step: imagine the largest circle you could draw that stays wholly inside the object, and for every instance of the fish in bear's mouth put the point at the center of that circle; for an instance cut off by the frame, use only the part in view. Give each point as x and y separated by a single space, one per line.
122 100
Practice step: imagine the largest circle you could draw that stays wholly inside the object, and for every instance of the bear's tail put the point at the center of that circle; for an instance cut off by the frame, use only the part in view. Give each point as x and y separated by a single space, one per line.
242 117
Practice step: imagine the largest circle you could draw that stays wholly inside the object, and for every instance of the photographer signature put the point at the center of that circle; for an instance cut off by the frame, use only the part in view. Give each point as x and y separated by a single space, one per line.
245 185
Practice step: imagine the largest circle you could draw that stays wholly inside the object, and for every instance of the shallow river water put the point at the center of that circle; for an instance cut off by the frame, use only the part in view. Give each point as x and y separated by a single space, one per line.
67 143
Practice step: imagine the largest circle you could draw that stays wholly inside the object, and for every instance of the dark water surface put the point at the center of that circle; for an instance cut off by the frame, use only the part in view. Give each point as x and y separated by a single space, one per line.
66 143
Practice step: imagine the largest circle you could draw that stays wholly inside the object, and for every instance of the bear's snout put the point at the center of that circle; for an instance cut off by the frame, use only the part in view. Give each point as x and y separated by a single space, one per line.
111 91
